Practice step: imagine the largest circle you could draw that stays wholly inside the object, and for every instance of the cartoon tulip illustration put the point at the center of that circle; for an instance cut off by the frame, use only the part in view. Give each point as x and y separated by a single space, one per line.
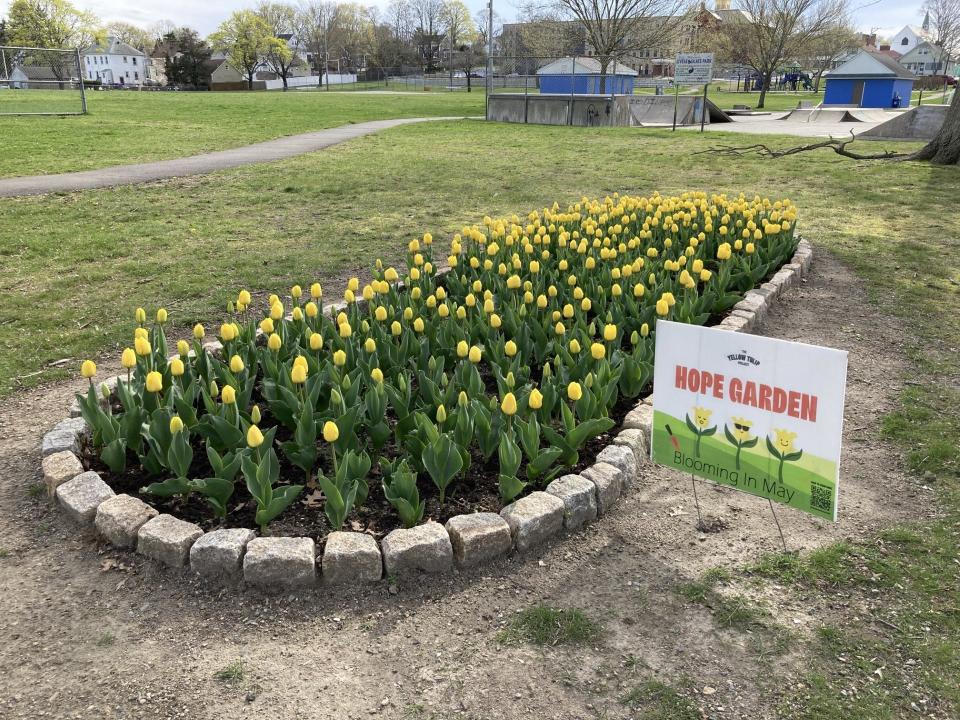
740 435
782 448
698 426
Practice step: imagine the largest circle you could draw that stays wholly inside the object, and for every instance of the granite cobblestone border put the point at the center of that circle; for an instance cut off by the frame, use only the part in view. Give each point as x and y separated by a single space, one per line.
232 555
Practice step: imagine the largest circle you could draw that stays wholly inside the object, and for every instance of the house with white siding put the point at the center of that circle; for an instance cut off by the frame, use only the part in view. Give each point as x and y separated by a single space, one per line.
115 63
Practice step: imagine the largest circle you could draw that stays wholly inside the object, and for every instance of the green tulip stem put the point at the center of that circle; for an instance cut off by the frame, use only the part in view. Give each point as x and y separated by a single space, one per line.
333 455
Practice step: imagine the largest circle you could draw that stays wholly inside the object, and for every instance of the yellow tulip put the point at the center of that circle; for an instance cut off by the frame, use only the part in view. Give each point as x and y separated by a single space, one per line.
462 349
296 291
176 424
311 309
236 364
298 374
441 414
274 342
228 332
142 346
339 358
380 313
345 330
370 345
509 404
377 375
598 351
255 415
316 341
535 399
276 311
88 369
199 331
574 347
510 348
316 292
609 333
474 354
254 437
141 333
183 348
214 390
396 328
154 382
243 298
644 330
161 316
140 315
229 395
574 391
128 358
176 367
331 433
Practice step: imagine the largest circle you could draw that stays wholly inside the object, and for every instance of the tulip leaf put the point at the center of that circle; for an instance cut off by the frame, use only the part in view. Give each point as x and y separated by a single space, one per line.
114 455
281 499
510 487
442 461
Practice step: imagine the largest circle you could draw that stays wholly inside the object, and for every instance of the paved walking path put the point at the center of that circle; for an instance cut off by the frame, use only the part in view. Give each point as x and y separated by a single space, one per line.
198 164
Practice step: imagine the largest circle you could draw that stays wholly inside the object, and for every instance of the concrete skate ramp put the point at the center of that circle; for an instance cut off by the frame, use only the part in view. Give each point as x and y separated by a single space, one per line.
919 123
657 110
828 114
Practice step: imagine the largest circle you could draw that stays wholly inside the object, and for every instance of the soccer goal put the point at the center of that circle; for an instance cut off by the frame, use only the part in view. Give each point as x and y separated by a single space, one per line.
41 81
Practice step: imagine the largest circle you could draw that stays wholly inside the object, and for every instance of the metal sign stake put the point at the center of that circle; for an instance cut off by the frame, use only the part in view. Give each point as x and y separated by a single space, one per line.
779 529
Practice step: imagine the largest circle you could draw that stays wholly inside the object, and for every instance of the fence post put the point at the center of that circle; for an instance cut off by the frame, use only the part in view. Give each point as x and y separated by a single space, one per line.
573 86
83 95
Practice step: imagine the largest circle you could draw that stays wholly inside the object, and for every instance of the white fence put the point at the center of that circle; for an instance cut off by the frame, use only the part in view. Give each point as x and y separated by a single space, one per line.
311 81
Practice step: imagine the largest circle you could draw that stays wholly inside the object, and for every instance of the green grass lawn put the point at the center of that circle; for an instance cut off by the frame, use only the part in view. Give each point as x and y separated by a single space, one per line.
126 127
77 265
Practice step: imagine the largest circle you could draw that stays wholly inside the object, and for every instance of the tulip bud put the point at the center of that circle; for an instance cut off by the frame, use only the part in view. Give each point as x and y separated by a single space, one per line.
177 367
441 414
298 375
176 424
255 414
254 437
229 396
105 391
346 384
535 399
198 331
214 390
335 397
339 358
316 341
154 382
141 315
588 381
462 399
128 358
474 354
183 348
274 342
243 298
88 369
230 307
331 433
377 375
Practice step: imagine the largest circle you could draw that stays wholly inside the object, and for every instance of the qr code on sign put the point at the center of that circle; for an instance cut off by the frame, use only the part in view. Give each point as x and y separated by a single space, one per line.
821 497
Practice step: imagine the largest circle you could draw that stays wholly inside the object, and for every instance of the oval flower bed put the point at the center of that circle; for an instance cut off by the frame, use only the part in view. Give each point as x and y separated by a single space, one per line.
423 394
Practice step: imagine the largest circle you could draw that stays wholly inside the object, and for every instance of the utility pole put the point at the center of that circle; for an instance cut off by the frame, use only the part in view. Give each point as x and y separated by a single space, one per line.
489 57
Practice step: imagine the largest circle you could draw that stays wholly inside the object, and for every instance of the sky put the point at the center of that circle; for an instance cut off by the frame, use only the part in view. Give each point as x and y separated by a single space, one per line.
885 17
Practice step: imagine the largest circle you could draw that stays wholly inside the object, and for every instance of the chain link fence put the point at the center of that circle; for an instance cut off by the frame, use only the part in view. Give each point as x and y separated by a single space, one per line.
41 81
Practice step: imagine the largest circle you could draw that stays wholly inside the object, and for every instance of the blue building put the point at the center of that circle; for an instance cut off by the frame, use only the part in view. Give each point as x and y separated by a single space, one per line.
581 76
869 80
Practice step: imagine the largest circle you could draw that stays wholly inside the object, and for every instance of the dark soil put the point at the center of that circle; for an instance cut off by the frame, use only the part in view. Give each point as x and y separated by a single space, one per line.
475 491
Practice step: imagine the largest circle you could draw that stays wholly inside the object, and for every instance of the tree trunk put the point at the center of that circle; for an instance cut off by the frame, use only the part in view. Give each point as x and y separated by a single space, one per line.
764 86
249 81
284 81
944 149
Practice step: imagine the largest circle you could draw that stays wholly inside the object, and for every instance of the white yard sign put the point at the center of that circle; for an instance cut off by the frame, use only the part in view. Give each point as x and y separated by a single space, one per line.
762 415
693 69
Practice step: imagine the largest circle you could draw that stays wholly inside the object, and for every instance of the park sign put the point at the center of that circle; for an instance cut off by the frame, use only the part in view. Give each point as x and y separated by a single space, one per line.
762 415
693 69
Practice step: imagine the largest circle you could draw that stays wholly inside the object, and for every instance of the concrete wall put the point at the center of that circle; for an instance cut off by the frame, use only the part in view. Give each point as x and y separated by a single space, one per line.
555 109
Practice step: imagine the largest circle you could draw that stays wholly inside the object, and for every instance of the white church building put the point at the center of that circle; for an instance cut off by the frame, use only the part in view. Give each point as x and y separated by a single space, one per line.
115 63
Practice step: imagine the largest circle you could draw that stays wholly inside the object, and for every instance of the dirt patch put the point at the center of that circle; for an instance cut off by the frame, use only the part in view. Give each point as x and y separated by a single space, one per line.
93 632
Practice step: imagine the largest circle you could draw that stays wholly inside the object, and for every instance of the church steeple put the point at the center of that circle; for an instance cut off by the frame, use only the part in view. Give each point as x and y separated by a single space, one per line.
926 22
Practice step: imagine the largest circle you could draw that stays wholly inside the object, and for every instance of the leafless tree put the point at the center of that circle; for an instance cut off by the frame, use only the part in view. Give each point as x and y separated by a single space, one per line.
770 32
945 25
822 50
315 21
617 29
